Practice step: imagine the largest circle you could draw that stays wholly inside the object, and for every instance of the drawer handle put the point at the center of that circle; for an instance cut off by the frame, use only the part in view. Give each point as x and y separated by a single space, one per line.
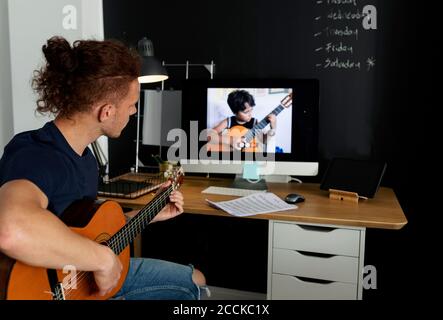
316 254
316 228
311 280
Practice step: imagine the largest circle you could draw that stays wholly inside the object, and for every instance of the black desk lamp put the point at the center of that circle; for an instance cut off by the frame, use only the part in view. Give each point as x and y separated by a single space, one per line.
152 71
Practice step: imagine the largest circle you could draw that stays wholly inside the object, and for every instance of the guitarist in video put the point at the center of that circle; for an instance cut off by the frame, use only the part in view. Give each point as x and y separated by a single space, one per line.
92 89
241 103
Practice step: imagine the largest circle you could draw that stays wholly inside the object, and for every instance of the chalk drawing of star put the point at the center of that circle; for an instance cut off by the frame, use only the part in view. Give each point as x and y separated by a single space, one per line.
370 62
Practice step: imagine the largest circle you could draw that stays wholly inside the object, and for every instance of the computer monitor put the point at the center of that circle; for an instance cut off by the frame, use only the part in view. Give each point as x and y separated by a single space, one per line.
214 111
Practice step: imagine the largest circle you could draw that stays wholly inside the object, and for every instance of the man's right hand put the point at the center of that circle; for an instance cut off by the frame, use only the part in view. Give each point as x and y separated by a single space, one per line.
107 277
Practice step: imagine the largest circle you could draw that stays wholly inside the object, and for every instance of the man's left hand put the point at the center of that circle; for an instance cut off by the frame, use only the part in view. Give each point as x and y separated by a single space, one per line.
172 209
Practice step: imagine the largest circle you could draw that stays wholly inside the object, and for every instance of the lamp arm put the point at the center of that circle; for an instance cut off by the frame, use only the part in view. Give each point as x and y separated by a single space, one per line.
210 67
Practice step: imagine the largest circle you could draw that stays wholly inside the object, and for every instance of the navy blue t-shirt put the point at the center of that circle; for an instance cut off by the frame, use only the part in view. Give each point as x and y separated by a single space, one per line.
45 158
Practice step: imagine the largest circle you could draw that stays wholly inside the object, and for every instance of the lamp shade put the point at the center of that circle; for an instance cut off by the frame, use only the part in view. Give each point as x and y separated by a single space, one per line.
151 70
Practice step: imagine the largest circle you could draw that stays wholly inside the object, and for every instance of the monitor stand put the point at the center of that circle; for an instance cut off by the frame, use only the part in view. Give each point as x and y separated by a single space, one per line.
242 183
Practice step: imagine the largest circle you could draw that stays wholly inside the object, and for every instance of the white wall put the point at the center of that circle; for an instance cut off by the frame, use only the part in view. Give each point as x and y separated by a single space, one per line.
6 126
31 23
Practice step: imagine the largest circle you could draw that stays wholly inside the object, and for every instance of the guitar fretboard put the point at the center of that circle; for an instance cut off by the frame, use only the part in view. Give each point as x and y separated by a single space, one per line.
137 224
261 125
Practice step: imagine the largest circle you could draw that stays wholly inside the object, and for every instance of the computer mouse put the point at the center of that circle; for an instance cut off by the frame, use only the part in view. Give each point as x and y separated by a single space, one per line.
294 198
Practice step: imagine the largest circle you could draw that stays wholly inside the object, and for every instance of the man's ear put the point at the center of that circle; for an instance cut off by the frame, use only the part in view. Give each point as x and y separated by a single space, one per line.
105 112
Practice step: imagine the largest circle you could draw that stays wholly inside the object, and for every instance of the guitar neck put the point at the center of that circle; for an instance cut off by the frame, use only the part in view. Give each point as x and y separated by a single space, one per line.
262 124
139 222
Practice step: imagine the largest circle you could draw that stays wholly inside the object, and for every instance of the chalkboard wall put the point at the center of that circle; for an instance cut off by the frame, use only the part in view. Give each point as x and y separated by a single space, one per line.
362 79
367 101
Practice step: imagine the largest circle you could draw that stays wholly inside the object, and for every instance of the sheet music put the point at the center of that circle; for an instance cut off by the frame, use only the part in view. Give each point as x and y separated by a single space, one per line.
253 204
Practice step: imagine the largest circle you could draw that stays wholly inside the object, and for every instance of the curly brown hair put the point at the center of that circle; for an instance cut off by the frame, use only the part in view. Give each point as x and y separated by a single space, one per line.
74 78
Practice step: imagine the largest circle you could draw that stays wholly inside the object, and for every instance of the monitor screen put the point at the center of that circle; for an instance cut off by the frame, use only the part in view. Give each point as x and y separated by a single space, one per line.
260 119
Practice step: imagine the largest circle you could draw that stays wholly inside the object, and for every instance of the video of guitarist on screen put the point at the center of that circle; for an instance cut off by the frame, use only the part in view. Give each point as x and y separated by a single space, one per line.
233 119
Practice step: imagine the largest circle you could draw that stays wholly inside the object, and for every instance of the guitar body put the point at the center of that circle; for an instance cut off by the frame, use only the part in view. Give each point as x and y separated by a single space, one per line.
97 222
236 132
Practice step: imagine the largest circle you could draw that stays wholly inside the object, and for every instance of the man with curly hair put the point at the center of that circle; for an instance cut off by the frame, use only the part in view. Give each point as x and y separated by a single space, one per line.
92 88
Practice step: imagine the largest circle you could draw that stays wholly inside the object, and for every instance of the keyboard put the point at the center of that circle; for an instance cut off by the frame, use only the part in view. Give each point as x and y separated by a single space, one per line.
126 188
231 191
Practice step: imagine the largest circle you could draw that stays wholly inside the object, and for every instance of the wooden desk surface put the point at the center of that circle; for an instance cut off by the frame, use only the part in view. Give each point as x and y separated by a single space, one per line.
382 212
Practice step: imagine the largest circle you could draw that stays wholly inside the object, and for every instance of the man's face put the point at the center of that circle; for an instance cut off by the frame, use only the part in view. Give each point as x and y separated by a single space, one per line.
246 114
123 110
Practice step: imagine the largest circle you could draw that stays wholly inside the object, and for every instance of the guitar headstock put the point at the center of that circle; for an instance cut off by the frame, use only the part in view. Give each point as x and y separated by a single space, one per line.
287 101
177 177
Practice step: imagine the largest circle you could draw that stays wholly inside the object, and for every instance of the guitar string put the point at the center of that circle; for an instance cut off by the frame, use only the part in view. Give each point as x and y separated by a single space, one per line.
139 221
87 275
262 124
158 205
158 202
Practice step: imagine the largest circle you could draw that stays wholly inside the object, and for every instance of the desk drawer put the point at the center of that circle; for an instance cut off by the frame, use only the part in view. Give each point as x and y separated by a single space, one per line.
286 287
335 268
317 239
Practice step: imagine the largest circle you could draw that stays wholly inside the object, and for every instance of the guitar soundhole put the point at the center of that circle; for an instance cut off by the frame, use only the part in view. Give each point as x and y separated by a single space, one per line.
103 238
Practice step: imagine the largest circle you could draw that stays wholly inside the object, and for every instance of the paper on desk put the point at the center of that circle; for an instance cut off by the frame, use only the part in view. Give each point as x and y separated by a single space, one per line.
257 203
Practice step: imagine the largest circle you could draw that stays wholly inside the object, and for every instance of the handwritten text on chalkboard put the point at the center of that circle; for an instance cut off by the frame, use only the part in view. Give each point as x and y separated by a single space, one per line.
340 25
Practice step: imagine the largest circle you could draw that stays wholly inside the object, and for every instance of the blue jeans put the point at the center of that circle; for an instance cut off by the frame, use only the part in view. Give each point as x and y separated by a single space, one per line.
151 279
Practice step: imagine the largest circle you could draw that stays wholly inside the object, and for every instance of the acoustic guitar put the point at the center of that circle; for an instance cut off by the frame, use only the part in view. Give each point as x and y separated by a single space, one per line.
104 223
244 139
